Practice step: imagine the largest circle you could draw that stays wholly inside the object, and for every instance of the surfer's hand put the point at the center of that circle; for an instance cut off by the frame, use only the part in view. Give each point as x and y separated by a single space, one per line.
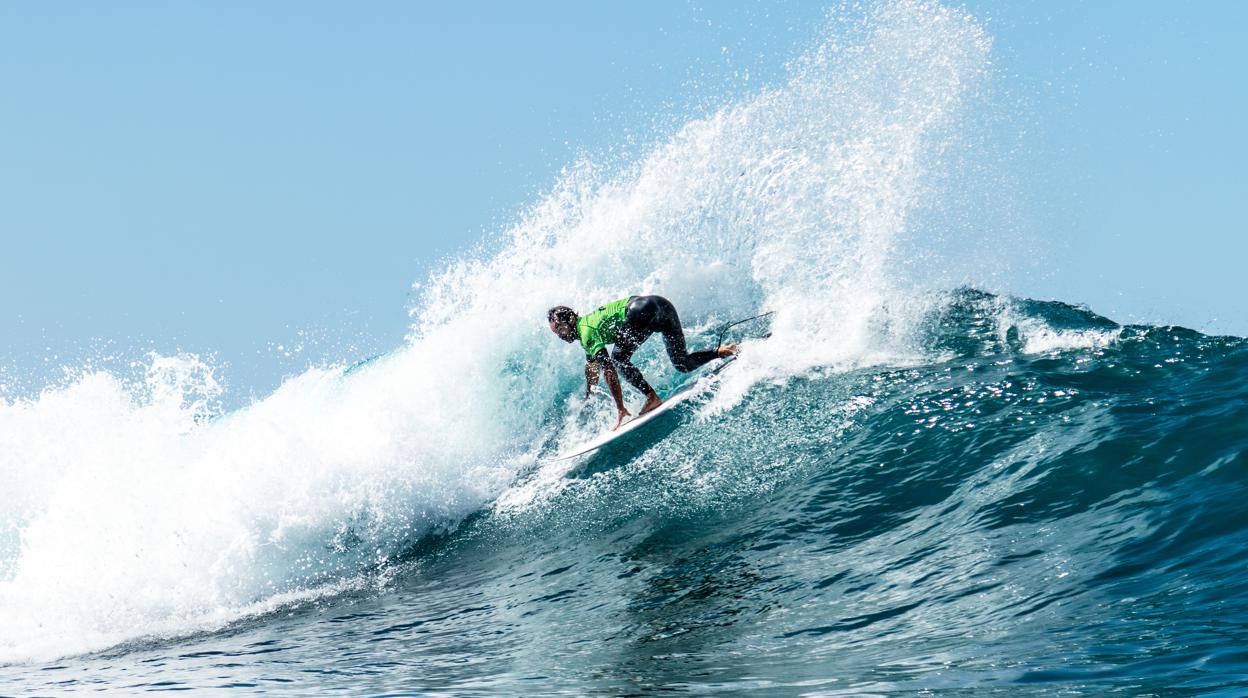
623 413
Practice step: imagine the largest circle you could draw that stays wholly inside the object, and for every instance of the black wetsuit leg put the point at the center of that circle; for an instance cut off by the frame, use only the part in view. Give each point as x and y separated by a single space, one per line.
644 316
668 324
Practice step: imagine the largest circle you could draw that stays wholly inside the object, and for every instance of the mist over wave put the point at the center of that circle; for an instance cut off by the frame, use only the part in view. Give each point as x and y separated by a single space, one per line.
882 418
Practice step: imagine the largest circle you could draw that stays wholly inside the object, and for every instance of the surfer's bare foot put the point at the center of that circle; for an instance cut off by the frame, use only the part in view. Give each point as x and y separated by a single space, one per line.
728 350
651 402
621 415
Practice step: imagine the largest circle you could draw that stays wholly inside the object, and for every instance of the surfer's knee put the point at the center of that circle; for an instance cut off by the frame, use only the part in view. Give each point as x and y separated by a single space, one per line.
683 365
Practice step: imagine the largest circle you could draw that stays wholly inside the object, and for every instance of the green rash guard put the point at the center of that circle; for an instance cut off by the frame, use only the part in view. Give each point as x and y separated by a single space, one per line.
599 328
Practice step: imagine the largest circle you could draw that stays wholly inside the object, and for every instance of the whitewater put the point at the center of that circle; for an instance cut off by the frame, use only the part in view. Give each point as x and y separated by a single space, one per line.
910 485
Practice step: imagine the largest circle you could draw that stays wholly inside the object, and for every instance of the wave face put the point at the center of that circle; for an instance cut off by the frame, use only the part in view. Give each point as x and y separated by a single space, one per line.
902 488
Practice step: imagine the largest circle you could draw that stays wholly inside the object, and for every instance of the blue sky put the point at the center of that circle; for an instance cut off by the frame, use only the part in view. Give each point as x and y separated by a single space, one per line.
230 178
1135 162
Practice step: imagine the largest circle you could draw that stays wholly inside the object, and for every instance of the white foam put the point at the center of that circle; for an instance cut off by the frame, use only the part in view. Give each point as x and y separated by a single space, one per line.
1040 339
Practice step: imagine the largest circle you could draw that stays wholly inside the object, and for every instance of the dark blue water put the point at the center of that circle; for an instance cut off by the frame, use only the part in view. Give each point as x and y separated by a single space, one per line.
996 521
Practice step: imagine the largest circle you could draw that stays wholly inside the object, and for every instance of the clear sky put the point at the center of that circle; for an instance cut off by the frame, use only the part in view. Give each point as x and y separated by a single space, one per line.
245 179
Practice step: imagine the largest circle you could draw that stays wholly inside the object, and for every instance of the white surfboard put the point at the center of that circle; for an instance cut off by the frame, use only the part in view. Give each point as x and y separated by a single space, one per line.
678 396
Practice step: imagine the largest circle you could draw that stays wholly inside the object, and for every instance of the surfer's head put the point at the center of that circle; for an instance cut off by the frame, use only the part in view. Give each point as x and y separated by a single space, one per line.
562 321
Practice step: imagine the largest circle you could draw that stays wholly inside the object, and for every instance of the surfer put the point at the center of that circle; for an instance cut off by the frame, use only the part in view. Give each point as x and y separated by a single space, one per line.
626 324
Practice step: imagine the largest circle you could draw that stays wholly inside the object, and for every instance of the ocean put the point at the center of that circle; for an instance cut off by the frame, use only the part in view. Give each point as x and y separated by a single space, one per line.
905 485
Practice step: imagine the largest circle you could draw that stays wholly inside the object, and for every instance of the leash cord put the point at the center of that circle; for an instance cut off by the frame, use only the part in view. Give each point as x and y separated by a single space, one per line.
720 341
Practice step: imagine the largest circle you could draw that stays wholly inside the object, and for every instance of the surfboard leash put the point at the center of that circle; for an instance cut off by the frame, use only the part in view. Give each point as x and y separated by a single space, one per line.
720 340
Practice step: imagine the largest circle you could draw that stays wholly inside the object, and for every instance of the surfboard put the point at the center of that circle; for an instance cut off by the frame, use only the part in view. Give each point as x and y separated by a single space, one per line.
673 400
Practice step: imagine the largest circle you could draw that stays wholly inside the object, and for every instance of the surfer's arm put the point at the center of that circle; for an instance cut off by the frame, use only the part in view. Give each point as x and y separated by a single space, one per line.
601 361
613 383
591 375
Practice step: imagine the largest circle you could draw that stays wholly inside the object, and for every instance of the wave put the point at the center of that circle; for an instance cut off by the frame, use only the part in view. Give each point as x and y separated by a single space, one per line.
1049 498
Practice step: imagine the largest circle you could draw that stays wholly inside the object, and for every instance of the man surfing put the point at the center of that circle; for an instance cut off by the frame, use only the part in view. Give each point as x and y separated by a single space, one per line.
626 324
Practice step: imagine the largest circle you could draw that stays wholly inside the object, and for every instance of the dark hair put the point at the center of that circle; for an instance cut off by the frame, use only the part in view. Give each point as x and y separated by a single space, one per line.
561 314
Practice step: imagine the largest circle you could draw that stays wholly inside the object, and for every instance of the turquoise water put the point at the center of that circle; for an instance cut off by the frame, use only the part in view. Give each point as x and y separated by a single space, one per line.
996 520
911 486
